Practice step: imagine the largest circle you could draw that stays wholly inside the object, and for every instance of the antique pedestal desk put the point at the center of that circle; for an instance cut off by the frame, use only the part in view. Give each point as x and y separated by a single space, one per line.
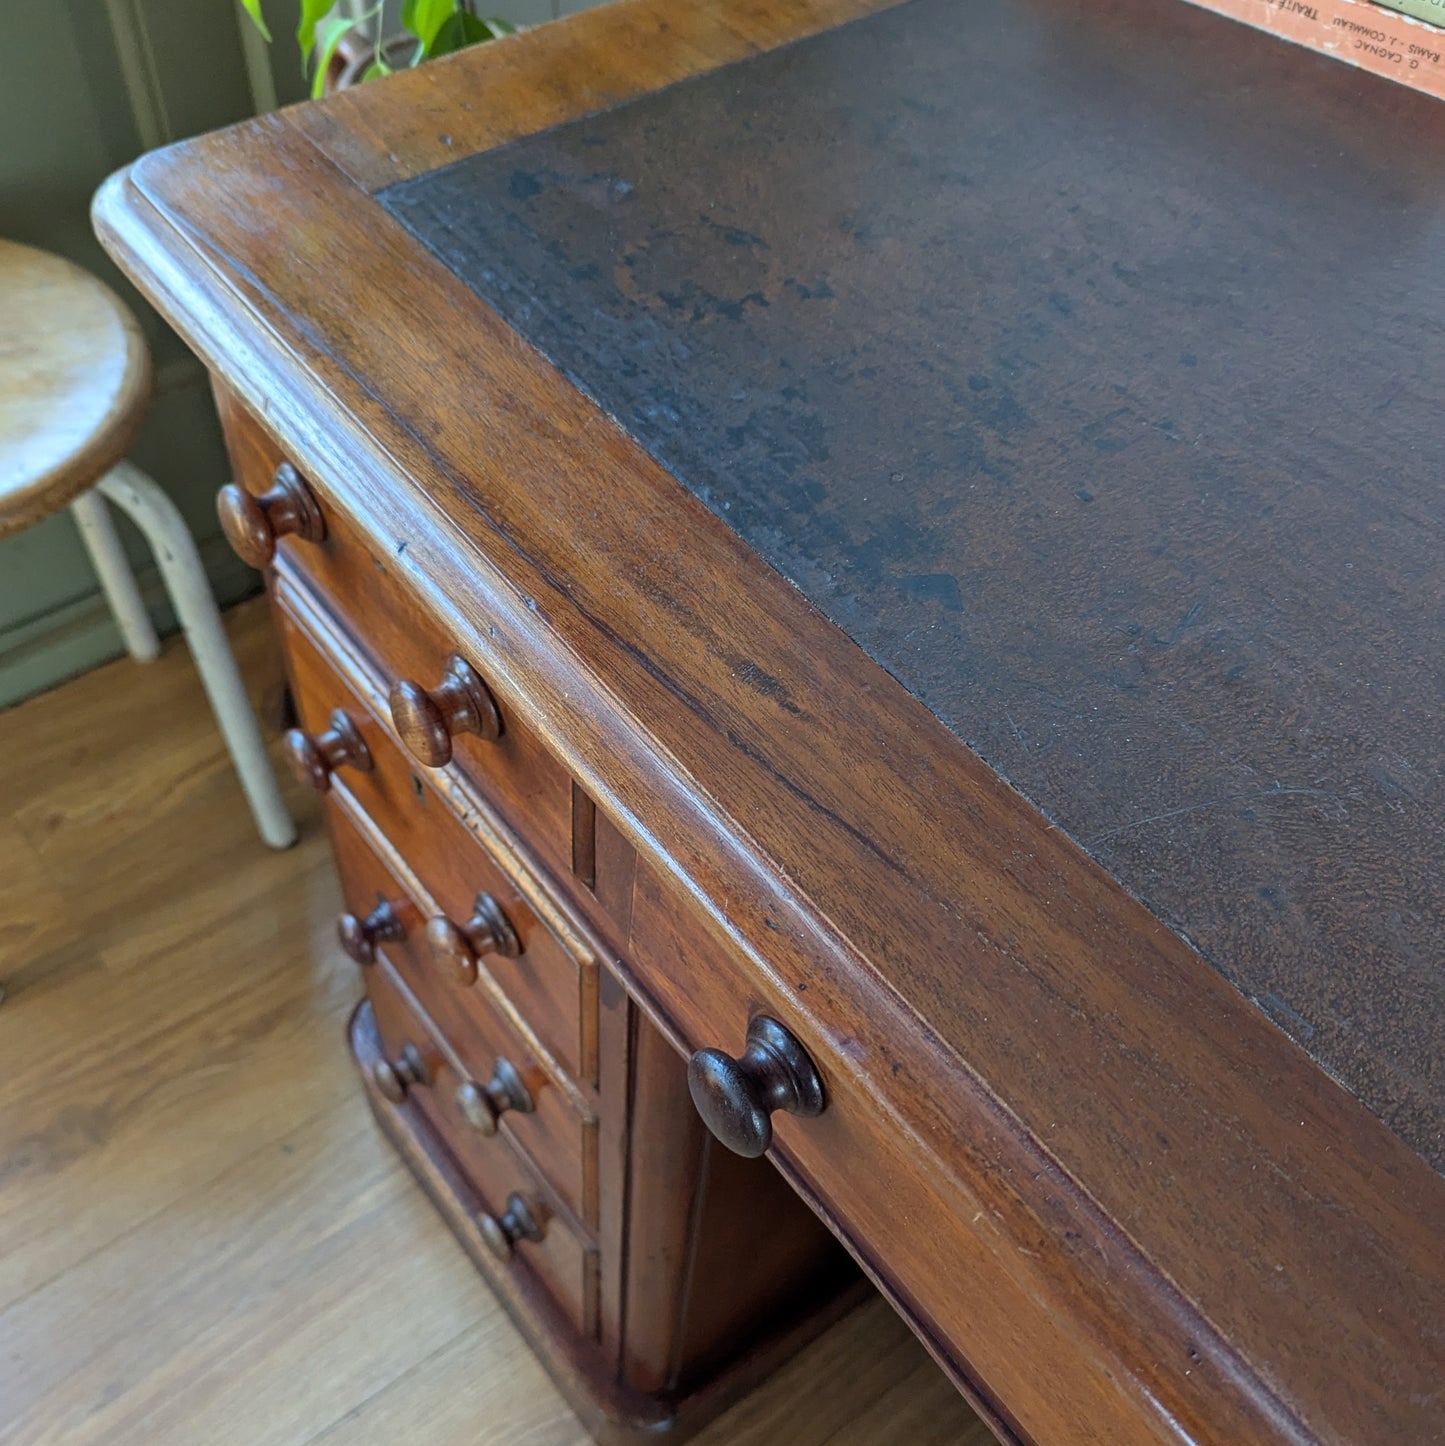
864 584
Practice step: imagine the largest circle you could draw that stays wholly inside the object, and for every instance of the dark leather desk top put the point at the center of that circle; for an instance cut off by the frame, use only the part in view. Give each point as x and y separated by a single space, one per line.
1118 1202
1102 410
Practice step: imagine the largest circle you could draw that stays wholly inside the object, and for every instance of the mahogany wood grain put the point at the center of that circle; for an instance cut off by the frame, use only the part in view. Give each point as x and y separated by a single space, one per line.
725 1315
516 1225
661 1128
610 1412
701 1307
615 863
362 582
456 947
558 1133
737 1095
395 1076
616 1201
253 522
559 1259
584 838
426 720
359 935
751 1274
563 71
798 1276
483 1105
1136 1211
314 757
551 983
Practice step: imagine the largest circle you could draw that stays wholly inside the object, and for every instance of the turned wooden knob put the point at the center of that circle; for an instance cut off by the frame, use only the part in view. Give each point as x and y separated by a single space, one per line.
359 937
428 721
313 760
394 1078
501 1233
458 946
482 1106
253 523
736 1097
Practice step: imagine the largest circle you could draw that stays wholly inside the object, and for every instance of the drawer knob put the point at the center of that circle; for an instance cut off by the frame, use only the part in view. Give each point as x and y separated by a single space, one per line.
394 1078
288 508
482 1106
736 1097
458 946
359 937
313 760
428 721
501 1233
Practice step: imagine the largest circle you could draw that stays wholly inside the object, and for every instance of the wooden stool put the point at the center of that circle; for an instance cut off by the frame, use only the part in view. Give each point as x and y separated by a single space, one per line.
75 377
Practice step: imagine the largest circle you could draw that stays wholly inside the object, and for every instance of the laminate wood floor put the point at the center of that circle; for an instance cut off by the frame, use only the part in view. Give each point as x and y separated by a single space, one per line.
203 1237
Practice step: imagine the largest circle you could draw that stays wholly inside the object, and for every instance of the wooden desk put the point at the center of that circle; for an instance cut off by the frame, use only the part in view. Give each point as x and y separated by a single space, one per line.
950 514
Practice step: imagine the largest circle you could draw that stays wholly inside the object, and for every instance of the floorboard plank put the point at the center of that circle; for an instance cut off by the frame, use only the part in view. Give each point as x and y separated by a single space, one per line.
203 1238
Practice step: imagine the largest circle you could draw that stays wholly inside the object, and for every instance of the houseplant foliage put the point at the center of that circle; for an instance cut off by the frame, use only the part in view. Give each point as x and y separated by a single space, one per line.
434 27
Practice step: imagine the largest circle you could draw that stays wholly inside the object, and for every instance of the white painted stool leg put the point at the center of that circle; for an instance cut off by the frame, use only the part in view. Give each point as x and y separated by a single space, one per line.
159 518
97 531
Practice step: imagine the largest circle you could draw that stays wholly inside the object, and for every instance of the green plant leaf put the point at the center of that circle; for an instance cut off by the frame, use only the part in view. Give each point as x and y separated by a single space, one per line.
328 38
376 70
313 12
461 30
425 17
499 27
253 9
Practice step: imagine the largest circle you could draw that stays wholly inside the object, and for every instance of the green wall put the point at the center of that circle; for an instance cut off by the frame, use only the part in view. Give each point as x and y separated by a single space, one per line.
85 86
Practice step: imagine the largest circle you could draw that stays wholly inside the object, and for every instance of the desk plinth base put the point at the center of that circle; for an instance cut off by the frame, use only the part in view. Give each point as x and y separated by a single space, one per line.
613 1413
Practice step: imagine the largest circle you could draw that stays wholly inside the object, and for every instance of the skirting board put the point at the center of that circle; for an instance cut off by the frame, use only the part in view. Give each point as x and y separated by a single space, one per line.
42 652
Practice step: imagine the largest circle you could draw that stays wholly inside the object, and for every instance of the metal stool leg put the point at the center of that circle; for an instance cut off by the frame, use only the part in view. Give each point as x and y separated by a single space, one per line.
117 581
159 518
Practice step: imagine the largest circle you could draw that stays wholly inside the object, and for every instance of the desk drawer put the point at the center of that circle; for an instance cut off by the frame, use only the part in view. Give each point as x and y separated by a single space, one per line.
507 1090
417 1071
851 1158
362 586
552 990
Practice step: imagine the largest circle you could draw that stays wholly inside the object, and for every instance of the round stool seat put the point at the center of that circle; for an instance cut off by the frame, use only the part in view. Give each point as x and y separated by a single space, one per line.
74 379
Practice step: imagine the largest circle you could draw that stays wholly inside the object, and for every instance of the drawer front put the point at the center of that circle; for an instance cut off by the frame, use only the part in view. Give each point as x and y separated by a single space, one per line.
493 1059
924 1230
551 989
360 586
559 1259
